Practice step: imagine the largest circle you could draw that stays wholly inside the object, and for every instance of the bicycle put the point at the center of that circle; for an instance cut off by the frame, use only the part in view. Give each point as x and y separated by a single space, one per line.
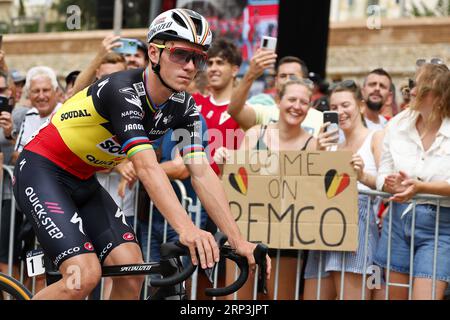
172 270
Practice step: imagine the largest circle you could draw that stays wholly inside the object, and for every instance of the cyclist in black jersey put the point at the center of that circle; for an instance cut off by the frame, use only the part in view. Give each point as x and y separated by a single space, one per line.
118 117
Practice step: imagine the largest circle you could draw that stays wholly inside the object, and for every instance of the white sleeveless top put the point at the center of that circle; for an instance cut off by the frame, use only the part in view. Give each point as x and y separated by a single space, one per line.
365 151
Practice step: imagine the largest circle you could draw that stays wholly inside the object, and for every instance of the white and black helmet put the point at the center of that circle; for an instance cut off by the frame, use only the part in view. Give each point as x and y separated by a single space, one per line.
181 24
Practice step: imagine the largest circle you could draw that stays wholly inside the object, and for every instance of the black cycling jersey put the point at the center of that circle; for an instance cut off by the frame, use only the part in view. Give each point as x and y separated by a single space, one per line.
95 129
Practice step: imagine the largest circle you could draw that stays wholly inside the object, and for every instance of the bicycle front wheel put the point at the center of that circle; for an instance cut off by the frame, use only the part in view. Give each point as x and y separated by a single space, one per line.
13 289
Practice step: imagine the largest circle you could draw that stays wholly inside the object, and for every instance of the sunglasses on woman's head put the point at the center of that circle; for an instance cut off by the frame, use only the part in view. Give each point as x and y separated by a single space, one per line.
182 55
349 84
421 62
307 82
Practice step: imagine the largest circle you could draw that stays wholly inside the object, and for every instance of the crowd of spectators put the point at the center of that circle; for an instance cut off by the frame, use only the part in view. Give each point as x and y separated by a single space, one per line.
402 150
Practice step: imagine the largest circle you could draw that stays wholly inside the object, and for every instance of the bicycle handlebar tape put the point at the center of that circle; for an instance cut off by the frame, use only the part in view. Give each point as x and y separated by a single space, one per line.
259 254
173 250
235 286
176 278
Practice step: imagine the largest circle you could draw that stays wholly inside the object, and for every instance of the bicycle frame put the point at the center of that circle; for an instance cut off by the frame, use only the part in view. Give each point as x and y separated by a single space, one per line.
171 269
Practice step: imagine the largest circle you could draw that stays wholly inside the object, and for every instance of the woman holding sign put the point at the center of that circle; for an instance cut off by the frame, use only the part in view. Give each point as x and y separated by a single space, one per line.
286 135
416 159
347 100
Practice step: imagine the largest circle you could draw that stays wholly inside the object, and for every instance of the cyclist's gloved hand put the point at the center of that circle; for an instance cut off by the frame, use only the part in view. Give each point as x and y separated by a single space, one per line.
207 249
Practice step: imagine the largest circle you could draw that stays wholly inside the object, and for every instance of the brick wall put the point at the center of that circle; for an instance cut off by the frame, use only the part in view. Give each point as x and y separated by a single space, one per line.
354 49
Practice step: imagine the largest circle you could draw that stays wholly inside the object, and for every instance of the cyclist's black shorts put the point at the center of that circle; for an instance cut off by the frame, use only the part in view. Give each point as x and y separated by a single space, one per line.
70 216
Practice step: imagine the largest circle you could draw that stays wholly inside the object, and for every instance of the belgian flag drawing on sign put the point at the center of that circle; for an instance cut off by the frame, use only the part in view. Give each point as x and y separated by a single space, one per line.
239 181
335 183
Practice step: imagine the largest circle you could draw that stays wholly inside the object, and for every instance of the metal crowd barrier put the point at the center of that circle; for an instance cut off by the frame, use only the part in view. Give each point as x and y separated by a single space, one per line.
388 283
186 203
195 207
8 170
371 195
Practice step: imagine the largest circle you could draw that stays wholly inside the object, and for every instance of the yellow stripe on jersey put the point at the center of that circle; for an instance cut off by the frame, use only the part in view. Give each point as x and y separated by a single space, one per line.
80 127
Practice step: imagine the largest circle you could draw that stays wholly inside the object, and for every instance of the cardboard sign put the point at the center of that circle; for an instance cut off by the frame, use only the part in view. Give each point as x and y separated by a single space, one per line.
294 200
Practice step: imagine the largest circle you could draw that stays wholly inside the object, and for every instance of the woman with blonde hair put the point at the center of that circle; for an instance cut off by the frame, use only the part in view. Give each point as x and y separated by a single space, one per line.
285 135
416 159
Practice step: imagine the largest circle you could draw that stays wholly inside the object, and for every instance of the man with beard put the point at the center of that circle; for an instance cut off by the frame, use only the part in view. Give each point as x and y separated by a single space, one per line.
139 59
376 92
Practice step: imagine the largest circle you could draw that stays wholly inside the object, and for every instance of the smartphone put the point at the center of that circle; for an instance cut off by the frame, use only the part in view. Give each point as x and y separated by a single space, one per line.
4 105
333 118
1 40
128 46
269 43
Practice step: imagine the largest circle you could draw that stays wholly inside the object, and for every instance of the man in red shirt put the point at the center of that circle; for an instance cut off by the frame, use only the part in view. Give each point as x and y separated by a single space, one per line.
224 60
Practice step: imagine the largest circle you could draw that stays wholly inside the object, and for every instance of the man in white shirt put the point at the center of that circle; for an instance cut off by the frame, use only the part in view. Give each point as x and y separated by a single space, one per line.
376 92
41 87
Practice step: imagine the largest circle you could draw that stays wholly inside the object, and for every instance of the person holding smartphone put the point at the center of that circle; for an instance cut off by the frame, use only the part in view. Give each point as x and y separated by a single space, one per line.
6 104
285 134
262 108
5 143
346 102
138 58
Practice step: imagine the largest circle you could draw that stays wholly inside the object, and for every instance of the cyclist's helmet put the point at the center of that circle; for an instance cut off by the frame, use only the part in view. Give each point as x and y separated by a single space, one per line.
181 24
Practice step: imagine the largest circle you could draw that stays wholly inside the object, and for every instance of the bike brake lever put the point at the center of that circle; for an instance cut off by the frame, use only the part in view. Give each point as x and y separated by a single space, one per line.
209 272
259 254
220 238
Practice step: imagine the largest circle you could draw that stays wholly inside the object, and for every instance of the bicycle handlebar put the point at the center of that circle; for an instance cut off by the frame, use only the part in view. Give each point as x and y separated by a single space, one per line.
176 249
242 264
170 250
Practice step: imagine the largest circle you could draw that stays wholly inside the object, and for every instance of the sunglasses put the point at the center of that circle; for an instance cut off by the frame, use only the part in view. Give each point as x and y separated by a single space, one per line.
305 81
411 84
348 84
182 56
308 83
421 62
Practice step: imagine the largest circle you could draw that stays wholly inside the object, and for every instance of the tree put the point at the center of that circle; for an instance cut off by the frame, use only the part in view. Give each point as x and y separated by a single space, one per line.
21 9
423 10
441 6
